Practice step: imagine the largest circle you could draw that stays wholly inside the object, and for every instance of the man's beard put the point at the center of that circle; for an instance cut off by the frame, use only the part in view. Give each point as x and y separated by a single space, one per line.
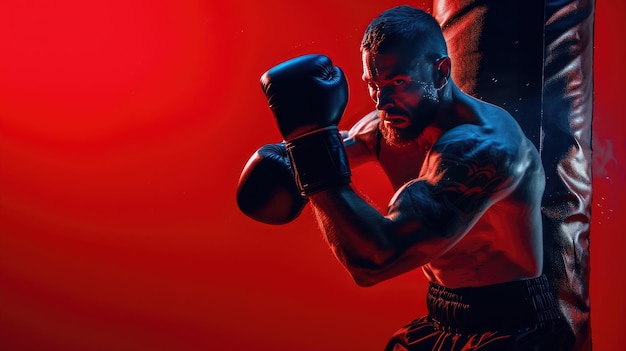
402 137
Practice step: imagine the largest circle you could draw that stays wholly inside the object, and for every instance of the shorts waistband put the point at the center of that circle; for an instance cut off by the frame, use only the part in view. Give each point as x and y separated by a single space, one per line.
507 306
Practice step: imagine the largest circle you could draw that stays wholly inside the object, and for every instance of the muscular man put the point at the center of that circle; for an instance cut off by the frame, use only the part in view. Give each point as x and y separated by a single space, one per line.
468 186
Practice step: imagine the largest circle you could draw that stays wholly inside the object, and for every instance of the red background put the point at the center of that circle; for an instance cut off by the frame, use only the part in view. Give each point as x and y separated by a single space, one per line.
123 128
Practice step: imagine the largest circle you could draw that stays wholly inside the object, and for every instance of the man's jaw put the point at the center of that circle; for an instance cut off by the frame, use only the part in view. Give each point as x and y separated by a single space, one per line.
394 120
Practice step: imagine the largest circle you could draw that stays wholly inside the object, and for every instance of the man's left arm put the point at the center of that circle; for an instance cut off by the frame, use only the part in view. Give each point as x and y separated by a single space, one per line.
461 179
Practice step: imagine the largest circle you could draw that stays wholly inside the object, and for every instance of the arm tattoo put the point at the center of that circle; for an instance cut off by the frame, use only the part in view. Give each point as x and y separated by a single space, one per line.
467 175
469 184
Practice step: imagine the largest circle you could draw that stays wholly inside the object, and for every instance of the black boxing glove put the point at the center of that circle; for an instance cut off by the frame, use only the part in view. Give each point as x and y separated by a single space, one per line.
308 96
267 191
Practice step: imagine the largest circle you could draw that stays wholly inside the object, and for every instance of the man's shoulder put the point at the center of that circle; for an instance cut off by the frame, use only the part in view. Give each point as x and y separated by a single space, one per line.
365 131
362 138
475 144
466 138
502 137
367 124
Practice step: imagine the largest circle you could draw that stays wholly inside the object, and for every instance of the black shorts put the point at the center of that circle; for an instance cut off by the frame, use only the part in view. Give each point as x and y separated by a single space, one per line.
520 316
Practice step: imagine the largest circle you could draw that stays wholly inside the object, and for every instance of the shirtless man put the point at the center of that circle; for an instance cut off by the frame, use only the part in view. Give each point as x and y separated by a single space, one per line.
468 187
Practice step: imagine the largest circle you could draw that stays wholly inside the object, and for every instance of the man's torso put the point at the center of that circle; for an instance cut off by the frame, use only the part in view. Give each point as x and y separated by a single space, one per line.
505 243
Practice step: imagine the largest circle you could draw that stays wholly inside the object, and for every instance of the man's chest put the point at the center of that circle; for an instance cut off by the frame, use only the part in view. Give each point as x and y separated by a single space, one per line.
402 164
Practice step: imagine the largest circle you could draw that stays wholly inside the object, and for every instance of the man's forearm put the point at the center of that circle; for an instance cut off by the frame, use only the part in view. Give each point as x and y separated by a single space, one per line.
360 236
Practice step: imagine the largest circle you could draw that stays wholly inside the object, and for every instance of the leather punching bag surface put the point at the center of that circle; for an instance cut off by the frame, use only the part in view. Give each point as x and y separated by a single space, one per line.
566 154
534 58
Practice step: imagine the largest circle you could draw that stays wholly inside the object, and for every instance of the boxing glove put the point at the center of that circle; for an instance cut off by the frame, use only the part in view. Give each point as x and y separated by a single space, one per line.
308 96
267 191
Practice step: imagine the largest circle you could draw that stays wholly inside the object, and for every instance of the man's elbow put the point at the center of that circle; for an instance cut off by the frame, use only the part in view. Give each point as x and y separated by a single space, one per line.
366 275
364 281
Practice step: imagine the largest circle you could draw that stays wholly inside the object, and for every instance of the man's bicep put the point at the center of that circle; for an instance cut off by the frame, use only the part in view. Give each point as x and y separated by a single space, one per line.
470 185
454 190
416 209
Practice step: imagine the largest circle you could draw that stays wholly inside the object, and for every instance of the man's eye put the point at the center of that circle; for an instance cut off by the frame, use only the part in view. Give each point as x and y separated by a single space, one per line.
398 82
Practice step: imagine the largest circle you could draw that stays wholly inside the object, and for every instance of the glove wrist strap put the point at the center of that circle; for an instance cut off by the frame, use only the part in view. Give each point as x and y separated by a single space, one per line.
319 160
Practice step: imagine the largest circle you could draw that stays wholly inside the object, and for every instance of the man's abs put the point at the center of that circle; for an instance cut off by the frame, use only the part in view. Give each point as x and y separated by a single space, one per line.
492 252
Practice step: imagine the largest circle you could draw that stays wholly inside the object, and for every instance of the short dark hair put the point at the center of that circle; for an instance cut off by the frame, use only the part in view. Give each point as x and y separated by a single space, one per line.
405 26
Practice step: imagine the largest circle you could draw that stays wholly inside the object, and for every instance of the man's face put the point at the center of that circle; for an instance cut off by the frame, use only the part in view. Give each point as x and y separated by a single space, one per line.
403 89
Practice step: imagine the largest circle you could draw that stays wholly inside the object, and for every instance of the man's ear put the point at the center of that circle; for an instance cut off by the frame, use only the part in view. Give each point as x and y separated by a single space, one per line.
444 69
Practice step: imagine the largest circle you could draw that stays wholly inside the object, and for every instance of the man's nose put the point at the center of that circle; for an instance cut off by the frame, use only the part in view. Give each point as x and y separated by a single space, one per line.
384 100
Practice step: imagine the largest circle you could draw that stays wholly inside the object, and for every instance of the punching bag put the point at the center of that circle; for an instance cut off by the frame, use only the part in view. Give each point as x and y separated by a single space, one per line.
535 59
566 154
